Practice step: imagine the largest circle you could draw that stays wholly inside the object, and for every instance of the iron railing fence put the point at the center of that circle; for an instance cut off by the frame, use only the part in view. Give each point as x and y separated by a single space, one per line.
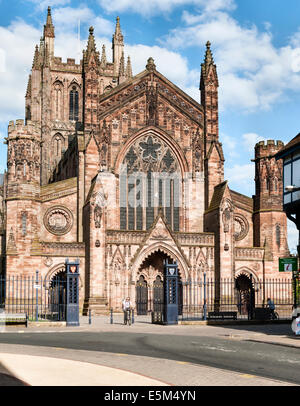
45 299
223 295
38 297
196 299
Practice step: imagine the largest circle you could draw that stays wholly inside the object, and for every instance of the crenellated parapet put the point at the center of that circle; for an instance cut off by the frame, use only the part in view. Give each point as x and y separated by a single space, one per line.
267 148
69 66
19 129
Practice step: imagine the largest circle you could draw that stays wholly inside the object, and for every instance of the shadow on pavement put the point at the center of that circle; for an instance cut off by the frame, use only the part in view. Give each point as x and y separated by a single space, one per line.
6 379
282 329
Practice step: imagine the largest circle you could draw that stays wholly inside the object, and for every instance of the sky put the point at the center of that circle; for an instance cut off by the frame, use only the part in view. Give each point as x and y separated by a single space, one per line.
255 44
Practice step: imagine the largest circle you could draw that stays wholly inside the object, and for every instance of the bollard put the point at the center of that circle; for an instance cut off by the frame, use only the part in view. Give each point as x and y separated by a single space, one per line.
205 311
132 318
111 316
90 316
36 295
205 300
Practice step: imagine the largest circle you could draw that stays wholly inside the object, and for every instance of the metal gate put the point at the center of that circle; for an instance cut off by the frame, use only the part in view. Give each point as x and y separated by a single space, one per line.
141 296
57 297
158 295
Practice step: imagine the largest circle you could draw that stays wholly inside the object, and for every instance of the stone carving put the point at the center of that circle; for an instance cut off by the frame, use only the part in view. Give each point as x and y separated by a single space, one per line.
152 105
241 227
48 261
116 100
105 141
100 203
11 240
197 161
178 101
160 233
150 153
97 216
58 220
226 219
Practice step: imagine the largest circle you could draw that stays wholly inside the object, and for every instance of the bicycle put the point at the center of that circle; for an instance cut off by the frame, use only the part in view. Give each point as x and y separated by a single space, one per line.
274 315
127 318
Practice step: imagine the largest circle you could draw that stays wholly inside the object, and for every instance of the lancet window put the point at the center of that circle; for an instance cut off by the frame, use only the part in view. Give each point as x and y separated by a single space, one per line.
150 181
57 145
58 101
74 104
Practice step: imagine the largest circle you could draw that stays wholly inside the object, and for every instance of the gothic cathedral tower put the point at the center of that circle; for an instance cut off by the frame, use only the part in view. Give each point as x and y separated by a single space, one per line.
269 221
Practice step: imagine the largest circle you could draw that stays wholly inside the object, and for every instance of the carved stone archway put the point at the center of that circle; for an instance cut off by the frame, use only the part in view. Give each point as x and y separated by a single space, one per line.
55 271
165 249
149 278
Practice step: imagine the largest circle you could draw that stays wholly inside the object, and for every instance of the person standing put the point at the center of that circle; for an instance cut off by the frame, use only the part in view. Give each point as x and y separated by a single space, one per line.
126 306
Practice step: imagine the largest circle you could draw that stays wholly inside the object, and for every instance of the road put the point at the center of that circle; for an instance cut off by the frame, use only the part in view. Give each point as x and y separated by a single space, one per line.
151 354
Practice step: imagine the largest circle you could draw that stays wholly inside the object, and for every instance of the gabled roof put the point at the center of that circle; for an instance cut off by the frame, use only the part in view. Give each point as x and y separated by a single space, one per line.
168 235
218 195
183 101
242 201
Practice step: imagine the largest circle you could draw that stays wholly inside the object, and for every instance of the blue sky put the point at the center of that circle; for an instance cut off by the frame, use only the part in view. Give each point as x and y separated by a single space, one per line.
256 46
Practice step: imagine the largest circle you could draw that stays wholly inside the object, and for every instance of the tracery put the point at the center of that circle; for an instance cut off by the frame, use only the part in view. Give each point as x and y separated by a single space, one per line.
150 181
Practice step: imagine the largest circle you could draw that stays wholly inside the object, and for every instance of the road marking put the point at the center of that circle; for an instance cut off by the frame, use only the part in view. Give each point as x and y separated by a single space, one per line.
248 376
182 362
122 355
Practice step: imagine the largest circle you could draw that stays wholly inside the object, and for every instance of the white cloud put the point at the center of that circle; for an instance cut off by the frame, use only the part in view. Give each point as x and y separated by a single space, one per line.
17 42
67 19
240 173
154 7
241 178
253 73
43 4
165 61
250 139
229 145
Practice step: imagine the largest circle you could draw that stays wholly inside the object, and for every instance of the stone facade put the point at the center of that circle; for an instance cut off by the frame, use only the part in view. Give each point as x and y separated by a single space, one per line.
125 171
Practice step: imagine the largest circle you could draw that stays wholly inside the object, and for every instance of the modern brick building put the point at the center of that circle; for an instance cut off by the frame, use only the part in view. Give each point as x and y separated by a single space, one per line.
125 171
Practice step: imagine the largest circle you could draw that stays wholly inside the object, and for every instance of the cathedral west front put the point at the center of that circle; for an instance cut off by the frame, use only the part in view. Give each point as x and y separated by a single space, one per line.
124 172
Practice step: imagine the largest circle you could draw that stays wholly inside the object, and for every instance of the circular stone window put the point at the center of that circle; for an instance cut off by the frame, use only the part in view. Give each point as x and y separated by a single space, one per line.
241 227
58 220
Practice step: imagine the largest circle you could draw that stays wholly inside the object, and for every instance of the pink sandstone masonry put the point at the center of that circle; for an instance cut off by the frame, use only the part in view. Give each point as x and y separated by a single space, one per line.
123 171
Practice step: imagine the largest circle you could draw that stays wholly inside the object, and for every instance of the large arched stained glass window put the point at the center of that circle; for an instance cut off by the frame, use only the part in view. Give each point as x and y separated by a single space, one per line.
74 104
150 181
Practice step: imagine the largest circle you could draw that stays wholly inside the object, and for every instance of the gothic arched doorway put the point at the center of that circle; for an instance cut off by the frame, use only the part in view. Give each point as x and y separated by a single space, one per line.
150 285
245 294
57 295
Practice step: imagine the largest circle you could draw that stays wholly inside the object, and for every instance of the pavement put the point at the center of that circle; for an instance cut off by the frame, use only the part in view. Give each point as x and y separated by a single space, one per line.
40 366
